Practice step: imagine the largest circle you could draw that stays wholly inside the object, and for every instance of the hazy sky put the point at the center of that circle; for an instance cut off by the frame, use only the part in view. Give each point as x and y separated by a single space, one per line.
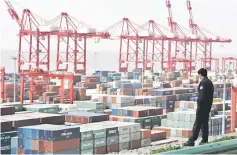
217 16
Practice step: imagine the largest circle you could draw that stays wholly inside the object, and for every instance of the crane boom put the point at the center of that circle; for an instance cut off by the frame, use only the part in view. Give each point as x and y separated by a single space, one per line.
170 18
13 12
194 27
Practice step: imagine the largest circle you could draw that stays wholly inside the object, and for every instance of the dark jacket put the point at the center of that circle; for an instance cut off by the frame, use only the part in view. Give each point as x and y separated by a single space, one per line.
205 94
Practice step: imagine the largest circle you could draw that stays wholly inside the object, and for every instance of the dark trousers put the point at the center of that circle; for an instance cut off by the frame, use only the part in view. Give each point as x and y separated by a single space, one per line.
201 123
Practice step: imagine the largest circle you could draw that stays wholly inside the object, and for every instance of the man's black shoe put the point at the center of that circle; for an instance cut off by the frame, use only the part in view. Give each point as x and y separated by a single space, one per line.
188 144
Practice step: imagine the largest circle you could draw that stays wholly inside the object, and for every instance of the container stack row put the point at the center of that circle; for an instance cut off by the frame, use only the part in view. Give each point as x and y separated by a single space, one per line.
148 117
180 124
94 138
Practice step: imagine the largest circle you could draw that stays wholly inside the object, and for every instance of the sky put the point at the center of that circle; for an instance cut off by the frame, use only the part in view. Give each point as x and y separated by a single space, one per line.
217 16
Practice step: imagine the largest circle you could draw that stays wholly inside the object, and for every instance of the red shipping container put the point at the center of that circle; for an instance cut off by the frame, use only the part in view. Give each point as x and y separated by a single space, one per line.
100 150
145 133
112 148
57 146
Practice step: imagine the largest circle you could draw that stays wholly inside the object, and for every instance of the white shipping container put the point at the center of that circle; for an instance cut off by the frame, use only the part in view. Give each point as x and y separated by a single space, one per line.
123 129
125 99
124 138
67 107
135 136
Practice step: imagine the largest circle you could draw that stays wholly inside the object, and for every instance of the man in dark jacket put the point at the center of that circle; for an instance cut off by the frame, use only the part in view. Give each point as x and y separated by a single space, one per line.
204 104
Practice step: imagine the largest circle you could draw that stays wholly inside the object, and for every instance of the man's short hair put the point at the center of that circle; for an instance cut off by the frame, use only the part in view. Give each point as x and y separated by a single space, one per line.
202 72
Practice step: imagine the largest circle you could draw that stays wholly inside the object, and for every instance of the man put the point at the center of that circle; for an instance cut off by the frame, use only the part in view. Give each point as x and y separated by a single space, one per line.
204 103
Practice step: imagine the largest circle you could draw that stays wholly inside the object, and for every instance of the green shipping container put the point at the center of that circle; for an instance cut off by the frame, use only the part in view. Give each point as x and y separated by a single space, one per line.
87 144
99 142
43 108
18 106
86 134
99 133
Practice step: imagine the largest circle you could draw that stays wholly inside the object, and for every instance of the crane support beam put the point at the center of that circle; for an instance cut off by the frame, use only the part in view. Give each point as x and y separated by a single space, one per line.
49 75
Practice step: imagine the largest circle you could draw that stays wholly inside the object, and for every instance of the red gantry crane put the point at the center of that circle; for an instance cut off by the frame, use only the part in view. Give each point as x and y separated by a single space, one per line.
131 45
155 51
203 47
183 49
2 71
36 73
34 45
229 61
213 61
71 43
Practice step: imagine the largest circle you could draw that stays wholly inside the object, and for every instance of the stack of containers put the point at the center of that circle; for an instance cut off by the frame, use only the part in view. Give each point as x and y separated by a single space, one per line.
112 138
143 92
99 133
135 86
18 106
147 117
165 85
107 137
117 84
53 88
81 94
44 118
136 75
126 89
44 108
115 76
176 83
103 75
102 88
47 97
170 95
227 121
180 123
121 101
47 138
6 130
6 141
219 89
127 75
9 91
64 108
99 107
182 105
167 98
215 125
129 136
89 82
85 117
112 91
87 143
124 137
195 86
